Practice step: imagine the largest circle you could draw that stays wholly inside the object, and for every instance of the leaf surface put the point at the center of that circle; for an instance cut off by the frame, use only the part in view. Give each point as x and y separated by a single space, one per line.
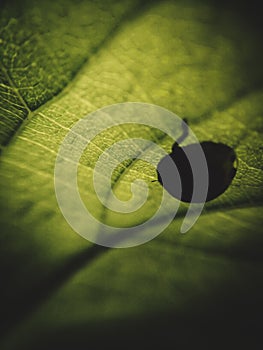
56 67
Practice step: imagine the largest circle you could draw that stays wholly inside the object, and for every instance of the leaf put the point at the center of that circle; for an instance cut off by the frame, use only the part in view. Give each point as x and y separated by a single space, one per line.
194 58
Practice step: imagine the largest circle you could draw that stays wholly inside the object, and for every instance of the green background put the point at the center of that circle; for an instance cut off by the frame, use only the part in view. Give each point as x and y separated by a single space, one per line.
61 60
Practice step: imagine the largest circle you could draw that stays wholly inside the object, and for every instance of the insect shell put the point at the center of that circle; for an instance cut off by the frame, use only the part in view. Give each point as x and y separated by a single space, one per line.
221 167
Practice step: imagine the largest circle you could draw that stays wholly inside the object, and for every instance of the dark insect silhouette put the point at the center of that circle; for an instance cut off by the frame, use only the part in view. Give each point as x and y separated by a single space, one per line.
221 168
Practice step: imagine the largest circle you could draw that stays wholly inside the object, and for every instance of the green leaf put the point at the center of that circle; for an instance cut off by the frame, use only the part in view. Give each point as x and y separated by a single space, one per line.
62 60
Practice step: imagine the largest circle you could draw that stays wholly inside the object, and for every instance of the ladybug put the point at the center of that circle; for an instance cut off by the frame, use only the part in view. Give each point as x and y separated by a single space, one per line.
221 165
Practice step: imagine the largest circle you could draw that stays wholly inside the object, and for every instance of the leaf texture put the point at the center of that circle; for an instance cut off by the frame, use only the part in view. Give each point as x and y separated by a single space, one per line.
57 66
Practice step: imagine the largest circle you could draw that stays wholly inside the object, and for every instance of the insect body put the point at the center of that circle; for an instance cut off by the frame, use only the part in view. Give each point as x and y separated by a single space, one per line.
220 160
